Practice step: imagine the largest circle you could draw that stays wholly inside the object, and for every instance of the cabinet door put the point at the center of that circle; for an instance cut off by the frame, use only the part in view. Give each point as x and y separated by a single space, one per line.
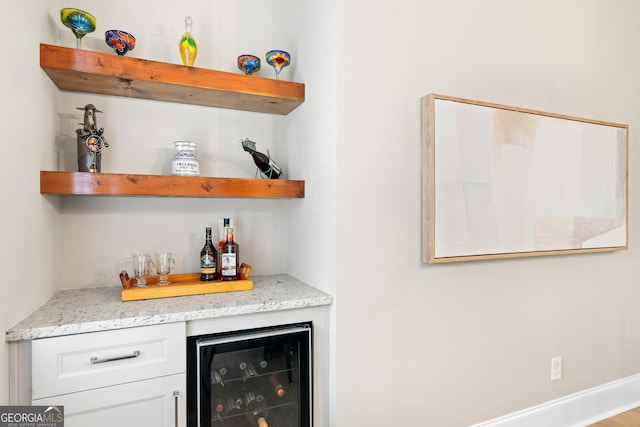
151 403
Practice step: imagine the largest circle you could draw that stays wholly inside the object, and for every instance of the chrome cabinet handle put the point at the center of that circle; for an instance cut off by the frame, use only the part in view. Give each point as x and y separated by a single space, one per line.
95 360
176 394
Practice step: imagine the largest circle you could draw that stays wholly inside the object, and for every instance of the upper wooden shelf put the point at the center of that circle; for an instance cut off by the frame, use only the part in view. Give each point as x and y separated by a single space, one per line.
109 74
108 184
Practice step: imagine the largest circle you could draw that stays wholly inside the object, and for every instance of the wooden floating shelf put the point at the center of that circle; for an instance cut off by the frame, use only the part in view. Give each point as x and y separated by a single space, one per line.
80 70
108 184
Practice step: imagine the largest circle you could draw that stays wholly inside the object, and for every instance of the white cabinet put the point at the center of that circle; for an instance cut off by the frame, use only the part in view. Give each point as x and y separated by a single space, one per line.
153 403
126 377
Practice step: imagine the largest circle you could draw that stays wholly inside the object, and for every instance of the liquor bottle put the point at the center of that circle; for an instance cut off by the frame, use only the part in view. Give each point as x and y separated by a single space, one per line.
229 258
208 259
188 47
223 224
257 409
278 388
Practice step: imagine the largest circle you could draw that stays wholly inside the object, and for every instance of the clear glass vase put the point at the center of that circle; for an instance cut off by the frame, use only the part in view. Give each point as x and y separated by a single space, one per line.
188 47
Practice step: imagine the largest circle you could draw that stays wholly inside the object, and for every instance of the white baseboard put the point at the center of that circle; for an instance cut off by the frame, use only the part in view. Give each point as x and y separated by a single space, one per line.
576 410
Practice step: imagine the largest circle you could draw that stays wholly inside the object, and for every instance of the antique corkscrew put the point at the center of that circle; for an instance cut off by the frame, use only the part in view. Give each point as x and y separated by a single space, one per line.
91 141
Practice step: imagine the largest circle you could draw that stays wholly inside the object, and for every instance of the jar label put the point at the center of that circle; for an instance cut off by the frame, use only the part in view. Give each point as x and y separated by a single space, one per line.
185 166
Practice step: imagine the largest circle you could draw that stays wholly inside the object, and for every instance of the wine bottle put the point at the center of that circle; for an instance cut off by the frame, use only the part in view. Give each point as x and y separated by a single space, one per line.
218 406
266 165
229 258
188 47
263 364
264 162
232 397
208 259
216 378
233 406
257 409
247 369
278 388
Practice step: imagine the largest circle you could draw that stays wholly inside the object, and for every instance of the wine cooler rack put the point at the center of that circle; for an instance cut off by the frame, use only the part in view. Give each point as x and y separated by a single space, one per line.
256 378
249 384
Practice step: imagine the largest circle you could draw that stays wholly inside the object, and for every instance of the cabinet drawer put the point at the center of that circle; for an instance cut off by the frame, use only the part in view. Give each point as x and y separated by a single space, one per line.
75 363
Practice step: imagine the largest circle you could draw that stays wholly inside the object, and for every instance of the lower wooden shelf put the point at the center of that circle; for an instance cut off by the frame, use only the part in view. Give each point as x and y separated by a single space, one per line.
183 285
109 184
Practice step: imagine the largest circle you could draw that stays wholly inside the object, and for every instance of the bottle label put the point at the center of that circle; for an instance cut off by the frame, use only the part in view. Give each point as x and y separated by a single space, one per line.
228 264
207 264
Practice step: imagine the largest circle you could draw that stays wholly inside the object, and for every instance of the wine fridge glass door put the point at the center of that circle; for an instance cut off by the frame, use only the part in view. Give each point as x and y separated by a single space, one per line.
255 378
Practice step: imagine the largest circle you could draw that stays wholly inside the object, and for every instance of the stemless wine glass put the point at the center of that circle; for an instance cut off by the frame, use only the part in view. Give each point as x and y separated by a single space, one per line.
142 266
164 264
278 59
79 22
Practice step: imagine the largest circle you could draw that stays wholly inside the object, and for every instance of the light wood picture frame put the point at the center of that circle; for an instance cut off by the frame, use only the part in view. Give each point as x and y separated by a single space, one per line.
506 182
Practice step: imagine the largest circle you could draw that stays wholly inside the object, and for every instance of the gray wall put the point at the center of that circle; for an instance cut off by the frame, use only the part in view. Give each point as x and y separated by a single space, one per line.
450 345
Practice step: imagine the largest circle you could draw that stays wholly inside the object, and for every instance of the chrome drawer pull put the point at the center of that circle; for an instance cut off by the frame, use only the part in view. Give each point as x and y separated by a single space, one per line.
176 395
95 360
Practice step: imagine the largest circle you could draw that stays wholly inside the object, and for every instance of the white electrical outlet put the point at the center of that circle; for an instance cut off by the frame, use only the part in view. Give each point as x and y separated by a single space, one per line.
556 368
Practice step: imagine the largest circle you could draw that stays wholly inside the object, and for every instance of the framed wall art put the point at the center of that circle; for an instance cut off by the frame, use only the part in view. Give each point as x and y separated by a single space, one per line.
504 182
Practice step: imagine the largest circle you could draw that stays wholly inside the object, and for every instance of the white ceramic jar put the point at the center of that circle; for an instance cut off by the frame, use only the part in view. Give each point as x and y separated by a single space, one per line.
185 162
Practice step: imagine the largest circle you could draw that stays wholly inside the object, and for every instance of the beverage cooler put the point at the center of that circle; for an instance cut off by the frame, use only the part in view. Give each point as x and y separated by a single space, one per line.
253 378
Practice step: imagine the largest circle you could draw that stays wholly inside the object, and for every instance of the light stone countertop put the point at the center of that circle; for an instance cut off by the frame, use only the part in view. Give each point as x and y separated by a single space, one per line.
76 311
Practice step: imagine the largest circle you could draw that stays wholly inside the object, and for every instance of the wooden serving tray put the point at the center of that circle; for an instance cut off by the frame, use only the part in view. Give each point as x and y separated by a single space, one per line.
181 285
